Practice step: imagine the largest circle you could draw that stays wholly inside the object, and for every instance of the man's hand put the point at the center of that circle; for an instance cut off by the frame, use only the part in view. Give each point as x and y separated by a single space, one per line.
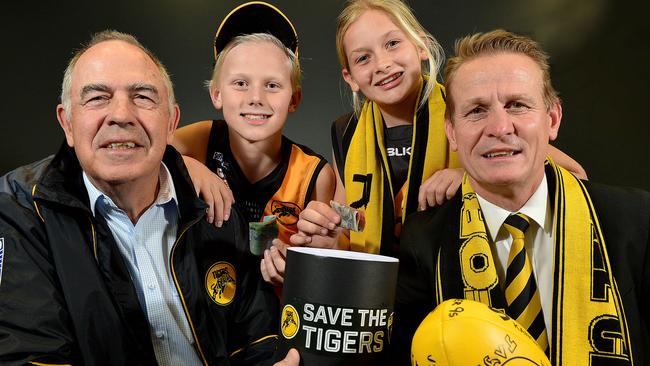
292 359
214 191
439 187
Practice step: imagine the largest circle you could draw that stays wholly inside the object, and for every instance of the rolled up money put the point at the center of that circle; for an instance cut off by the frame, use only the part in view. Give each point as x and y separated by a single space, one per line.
261 234
350 218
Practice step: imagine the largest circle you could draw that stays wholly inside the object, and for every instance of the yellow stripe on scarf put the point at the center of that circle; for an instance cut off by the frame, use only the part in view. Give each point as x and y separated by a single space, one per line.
365 173
587 297
477 284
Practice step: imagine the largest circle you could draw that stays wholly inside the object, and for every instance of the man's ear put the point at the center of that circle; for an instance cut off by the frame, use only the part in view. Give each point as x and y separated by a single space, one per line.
173 123
555 118
449 131
296 97
215 95
65 124
348 79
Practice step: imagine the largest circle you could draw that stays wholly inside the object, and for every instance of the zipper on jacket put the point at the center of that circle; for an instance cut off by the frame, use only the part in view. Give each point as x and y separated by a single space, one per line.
38 212
180 293
92 231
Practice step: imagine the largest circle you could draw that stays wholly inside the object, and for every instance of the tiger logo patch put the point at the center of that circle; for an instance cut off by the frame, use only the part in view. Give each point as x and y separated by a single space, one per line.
221 283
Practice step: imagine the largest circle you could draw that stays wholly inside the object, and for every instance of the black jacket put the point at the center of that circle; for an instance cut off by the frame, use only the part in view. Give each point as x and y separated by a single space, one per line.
66 295
624 216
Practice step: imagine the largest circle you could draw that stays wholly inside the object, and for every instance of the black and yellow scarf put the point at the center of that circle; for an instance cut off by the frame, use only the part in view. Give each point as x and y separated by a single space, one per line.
587 309
367 179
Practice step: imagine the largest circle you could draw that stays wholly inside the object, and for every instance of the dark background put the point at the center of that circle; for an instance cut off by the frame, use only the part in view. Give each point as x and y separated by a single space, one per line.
600 57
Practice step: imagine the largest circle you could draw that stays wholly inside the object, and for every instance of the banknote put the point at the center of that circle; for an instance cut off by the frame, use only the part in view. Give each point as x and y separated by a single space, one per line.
261 234
350 218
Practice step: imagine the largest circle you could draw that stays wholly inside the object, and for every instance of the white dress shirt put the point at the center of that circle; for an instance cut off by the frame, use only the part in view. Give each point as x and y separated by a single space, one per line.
146 248
538 242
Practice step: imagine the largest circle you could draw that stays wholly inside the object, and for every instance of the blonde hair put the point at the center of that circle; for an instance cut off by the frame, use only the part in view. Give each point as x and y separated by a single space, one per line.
105 36
494 42
294 64
403 17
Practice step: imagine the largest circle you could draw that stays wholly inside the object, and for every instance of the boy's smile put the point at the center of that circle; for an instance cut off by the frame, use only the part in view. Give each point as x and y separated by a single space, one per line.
256 118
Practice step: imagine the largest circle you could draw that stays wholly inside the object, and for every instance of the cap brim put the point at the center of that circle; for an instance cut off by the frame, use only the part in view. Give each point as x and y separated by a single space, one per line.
256 17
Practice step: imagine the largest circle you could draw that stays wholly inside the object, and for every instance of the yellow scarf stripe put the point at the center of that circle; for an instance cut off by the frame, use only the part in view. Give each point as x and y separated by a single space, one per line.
362 163
366 162
579 237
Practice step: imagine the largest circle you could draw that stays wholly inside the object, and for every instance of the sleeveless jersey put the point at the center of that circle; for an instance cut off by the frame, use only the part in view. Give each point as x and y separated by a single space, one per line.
284 192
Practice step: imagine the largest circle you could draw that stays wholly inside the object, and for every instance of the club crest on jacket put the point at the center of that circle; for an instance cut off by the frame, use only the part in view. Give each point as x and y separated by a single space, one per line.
221 283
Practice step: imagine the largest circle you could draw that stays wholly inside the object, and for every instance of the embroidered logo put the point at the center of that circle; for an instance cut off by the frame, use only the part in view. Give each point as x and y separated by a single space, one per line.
2 255
286 212
398 151
221 283
222 166
290 322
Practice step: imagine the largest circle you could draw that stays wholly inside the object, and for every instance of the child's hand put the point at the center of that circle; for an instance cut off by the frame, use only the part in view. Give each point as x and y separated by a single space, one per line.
273 261
440 187
317 226
212 189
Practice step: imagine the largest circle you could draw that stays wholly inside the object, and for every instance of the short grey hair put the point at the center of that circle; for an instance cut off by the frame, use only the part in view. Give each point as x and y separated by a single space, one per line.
104 36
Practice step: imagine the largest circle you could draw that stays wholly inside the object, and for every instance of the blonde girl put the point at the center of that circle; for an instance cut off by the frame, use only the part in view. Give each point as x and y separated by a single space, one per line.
391 155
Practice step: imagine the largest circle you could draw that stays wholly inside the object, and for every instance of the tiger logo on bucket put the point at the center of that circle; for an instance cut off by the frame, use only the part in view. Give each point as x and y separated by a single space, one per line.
290 322
221 283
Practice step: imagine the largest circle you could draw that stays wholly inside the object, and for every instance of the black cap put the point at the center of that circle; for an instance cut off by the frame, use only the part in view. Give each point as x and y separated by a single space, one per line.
256 17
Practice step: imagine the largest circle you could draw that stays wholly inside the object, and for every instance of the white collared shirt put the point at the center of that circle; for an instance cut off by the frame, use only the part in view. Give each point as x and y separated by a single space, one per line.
146 248
538 242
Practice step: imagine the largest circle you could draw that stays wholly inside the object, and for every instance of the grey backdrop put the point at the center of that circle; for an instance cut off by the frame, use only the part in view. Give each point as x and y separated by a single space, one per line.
599 48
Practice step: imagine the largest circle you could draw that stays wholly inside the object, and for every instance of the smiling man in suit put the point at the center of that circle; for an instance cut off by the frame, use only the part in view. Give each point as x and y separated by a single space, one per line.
568 259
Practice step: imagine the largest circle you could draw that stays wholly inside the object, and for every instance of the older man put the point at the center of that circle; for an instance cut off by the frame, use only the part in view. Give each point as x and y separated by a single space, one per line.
566 258
106 256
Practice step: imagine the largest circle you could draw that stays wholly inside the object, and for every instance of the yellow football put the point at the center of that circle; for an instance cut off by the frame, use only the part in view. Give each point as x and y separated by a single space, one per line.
464 332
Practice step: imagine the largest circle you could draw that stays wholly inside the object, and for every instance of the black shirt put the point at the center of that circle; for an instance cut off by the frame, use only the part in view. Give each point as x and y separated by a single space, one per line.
398 149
